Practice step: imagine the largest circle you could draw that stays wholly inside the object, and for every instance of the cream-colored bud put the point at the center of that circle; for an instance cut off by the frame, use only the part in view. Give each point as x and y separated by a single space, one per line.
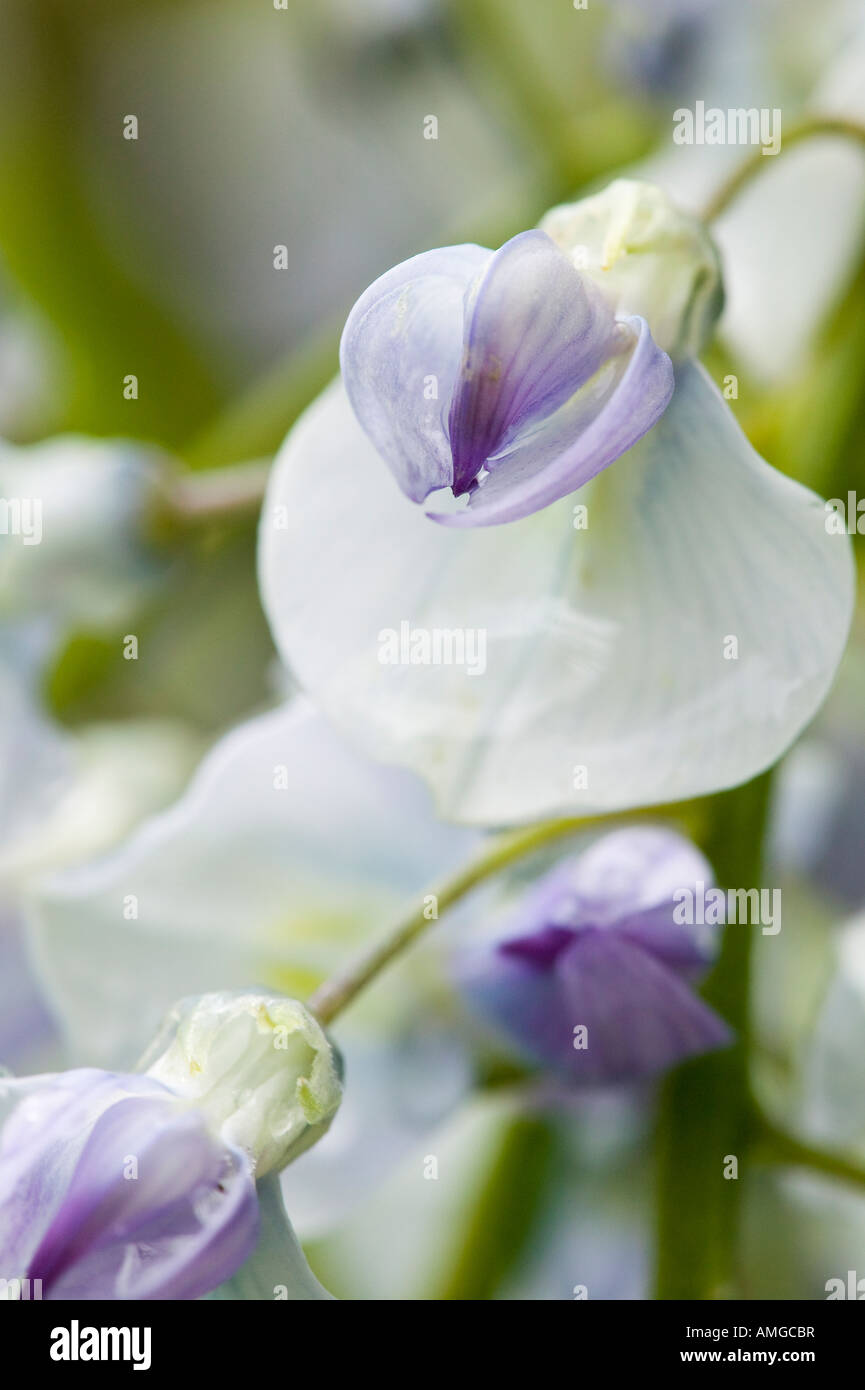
259 1066
648 257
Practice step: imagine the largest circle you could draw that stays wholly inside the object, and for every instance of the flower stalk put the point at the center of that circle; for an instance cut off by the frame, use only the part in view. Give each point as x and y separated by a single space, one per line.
332 997
705 1117
805 130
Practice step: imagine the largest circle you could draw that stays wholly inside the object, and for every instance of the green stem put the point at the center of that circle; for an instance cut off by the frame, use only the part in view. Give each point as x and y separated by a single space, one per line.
705 1115
806 130
335 994
505 1215
774 1146
498 853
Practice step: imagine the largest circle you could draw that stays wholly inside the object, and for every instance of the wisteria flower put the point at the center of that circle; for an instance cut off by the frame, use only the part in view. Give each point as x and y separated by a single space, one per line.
506 376
111 1189
593 975
135 1186
662 631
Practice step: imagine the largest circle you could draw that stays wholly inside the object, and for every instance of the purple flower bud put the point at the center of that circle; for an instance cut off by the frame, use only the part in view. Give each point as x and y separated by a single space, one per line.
593 976
505 375
111 1187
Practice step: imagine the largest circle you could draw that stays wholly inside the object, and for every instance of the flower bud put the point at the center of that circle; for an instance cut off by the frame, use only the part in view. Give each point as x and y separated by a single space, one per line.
594 976
258 1066
648 257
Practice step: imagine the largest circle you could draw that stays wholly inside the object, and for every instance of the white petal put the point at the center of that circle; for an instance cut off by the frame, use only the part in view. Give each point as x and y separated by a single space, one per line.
789 246
833 1109
114 775
285 853
604 648
36 757
790 240
74 549
277 1269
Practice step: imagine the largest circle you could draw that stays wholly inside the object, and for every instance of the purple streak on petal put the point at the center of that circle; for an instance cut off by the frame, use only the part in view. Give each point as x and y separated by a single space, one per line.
535 332
541 948
405 329
582 438
70 1217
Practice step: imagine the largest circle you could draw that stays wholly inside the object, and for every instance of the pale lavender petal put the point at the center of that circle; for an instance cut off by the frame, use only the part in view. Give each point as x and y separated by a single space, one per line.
637 867
72 1215
401 343
45 1123
535 332
633 878
628 881
583 437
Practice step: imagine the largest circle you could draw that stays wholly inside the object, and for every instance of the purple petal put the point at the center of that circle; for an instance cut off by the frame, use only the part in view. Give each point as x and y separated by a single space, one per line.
586 435
630 870
630 879
626 881
402 339
540 948
72 1216
535 332
640 1017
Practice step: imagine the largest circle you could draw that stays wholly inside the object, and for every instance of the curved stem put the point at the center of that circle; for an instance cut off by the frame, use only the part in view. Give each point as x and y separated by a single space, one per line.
508 1208
335 994
816 125
777 1147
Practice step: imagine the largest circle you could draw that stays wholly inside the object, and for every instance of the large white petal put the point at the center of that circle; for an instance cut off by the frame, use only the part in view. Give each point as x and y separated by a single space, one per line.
605 647
113 775
286 852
